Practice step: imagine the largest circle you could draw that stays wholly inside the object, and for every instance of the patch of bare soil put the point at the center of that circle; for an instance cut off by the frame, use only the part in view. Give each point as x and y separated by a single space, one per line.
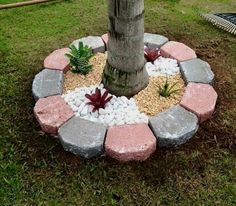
221 129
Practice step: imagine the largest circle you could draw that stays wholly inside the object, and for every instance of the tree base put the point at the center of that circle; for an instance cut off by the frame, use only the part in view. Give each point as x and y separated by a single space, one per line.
122 83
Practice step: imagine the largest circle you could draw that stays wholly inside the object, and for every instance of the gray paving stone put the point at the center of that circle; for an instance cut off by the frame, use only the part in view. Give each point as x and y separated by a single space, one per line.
196 70
47 83
95 42
174 126
83 137
154 40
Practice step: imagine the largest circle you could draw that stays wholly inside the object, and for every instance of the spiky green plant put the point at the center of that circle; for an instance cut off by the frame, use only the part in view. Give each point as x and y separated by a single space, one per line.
79 58
166 90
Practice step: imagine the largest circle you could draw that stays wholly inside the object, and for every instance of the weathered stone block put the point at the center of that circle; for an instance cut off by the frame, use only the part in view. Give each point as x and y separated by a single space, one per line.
200 99
47 83
196 70
130 142
83 137
154 40
95 42
174 126
57 60
51 113
178 51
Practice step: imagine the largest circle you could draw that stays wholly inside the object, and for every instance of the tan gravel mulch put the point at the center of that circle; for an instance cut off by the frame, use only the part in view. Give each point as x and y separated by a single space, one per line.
73 80
150 102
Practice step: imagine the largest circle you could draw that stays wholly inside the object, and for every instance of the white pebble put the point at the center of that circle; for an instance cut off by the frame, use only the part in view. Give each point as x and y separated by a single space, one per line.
94 114
162 67
84 111
81 107
102 111
118 111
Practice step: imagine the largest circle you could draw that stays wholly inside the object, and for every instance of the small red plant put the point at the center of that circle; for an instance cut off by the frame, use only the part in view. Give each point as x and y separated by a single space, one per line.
151 54
97 100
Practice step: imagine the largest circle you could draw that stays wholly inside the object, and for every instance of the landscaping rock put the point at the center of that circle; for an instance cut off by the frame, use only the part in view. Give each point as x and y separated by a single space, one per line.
95 42
51 113
47 83
130 142
162 67
200 99
196 70
174 126
154 40
178 51
57 60
83 137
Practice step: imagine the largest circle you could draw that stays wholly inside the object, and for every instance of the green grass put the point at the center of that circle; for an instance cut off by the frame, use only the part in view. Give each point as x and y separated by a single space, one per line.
34 168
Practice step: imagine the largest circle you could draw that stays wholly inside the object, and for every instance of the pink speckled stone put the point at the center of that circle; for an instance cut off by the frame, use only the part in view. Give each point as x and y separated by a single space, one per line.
51 113
130 142
57 60
200 99
178 51
105 38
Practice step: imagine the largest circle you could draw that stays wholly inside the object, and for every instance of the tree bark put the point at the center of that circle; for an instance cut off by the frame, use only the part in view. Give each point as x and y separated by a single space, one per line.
124 73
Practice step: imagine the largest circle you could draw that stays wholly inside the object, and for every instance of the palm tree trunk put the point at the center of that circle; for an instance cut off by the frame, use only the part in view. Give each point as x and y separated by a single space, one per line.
124 73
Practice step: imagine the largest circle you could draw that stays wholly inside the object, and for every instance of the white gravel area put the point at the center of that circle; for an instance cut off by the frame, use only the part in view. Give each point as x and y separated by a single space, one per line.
162 67
119 111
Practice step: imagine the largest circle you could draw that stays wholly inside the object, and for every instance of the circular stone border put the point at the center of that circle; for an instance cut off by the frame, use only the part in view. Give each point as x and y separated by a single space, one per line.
170 128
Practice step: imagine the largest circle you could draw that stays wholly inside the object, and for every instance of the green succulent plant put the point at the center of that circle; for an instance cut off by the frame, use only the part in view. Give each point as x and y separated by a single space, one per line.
79 58
166 90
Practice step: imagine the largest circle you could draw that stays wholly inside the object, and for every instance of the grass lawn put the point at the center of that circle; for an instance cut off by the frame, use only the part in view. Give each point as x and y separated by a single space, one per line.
34 168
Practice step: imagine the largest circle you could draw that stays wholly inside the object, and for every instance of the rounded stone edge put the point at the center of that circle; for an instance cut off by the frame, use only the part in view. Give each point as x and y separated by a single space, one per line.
98 48
176 143
201 117
166 54
47 128
106 130
139 155
105 40
170 142
187 82
78 150
65 69
183 74
147 42
36 95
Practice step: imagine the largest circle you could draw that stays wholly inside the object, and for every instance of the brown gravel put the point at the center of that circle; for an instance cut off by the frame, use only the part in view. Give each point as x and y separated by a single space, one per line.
73 80
150 102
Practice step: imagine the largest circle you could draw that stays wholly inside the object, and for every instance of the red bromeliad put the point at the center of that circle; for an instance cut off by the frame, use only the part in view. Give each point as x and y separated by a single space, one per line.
97 100
151 54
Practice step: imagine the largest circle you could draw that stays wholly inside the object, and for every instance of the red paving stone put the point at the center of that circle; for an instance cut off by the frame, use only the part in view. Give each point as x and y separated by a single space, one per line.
57 60
178 51
200 99
130 142
51 113
105 38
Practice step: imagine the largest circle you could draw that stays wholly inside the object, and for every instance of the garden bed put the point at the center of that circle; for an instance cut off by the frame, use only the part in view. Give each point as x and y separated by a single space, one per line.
143 120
